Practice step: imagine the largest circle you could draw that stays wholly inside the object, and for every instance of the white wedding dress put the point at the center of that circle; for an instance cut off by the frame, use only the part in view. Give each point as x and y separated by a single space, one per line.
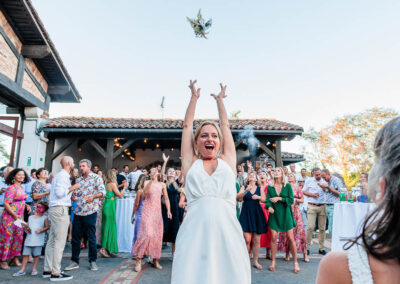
210 248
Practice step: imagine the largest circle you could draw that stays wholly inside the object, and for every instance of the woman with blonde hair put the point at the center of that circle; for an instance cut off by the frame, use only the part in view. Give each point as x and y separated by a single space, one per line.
281 219
210 247
299 232
109 241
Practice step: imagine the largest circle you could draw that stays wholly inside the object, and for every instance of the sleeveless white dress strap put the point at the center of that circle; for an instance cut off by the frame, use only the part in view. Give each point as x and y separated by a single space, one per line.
359 265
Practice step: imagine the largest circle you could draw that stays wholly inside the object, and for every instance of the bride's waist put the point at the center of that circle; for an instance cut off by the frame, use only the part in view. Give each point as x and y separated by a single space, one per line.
207 199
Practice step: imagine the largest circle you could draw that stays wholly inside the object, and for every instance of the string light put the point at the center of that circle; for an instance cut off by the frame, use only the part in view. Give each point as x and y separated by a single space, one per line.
126 151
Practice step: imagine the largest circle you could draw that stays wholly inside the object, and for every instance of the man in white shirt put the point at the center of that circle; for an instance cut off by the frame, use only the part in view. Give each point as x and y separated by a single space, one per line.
134 176
316 208
296 174
59 201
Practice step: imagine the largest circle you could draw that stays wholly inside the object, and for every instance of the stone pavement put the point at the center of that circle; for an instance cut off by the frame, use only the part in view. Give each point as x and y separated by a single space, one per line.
120 270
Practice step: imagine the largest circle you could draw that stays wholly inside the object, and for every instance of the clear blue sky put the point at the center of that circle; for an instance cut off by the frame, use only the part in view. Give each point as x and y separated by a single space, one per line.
304 62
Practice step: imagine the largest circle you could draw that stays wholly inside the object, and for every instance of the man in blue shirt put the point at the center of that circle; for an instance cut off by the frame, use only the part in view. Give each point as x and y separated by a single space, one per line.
332 190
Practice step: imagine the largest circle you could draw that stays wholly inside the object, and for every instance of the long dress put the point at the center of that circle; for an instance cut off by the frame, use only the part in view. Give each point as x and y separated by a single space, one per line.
299 232
265 240
252 217
149 241
138 219
210 247
109 226
171 226
11 235
282 219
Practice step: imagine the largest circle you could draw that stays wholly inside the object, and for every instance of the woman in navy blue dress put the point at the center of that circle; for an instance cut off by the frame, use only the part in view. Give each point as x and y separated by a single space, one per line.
252 217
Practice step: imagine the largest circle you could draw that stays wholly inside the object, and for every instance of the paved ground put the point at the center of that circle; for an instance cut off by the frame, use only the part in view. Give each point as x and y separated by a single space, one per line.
120 270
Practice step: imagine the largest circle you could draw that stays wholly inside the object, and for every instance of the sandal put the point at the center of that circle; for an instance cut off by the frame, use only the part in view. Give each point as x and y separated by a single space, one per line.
34 272
306 259
296 268
257 265
19 273
272 266
138 266
4 266
157 266
287 258
103 253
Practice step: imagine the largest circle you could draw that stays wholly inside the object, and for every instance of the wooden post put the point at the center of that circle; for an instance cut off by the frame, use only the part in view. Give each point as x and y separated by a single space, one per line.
109 154
48 162
278 154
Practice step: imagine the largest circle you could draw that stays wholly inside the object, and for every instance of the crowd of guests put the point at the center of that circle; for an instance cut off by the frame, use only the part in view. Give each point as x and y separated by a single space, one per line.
278 209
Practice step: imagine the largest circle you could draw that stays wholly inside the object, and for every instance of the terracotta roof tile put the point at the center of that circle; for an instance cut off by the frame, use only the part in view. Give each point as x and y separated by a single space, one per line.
148 123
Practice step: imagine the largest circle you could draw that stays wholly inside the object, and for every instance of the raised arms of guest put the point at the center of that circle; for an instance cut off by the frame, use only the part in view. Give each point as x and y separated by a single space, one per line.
165 159
208 138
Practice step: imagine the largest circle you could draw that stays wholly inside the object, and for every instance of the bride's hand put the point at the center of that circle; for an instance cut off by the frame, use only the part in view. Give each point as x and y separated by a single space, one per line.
221 94
192 87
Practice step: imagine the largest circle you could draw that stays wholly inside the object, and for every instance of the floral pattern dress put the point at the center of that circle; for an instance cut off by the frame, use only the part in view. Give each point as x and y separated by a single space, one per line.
149 241
11 235
38 188
299 232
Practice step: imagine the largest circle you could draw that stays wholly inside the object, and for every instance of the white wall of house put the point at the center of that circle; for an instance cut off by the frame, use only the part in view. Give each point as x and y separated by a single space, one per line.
33 146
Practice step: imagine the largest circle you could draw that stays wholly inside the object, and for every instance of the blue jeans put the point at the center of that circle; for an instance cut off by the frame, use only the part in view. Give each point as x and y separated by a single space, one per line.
87 224
329 215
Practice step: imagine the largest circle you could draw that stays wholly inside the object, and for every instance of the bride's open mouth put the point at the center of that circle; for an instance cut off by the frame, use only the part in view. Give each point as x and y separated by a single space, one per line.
209 148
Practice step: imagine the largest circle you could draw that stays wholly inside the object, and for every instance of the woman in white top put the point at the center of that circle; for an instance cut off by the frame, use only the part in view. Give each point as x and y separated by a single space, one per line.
374 256
210 247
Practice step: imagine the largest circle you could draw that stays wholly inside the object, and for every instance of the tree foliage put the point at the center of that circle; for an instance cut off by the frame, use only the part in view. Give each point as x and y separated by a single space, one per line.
346 145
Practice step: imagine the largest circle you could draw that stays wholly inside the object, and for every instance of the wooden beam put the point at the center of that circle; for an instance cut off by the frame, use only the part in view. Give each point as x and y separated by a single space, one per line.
48 161
126 145
278 154
35 51
97 147
58 89
109 154
62 148
20 71
267 151
9 131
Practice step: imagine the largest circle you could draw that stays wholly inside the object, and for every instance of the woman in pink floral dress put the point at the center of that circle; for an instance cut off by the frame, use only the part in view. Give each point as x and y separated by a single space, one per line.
149 240
14 206
298 231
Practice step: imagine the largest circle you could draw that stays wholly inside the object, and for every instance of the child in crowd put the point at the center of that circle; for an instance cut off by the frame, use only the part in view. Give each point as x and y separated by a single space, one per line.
36 226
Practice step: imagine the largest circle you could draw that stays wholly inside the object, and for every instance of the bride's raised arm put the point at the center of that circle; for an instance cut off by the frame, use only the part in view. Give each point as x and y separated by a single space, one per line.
228 150
187 152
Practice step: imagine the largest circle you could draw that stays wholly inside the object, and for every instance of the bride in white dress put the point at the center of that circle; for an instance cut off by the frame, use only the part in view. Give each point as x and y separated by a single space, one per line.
210 247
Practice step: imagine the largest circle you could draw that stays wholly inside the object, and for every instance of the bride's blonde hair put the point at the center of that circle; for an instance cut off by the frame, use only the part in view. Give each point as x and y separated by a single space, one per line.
197 133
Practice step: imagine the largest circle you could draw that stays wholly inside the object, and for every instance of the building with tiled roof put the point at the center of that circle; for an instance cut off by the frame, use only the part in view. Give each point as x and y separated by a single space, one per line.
114 142
32 75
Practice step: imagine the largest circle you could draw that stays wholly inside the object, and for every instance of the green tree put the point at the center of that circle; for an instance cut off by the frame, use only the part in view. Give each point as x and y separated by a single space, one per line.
346 145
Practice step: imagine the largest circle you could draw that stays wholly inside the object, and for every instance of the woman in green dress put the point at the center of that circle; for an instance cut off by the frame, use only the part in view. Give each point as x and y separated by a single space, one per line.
278 202
109 240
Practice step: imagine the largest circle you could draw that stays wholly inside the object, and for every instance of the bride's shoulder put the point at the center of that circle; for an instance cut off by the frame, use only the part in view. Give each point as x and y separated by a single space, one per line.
231 162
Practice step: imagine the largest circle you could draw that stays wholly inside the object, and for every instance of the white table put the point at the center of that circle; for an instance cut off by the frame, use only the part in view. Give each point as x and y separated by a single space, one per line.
125 229
348 219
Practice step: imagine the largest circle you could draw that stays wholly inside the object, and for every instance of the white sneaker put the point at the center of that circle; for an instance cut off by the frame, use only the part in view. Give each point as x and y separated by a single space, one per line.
73 265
